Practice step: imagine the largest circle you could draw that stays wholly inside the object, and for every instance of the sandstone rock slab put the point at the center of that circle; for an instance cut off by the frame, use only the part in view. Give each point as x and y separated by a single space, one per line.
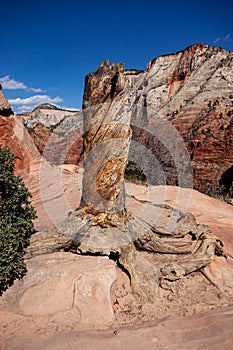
208 331
66 288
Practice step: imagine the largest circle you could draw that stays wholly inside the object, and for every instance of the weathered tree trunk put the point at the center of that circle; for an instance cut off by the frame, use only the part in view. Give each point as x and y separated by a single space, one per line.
106 144
107 133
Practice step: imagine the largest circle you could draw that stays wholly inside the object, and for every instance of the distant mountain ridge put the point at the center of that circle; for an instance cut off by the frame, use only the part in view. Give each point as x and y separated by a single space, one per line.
64 125
47 115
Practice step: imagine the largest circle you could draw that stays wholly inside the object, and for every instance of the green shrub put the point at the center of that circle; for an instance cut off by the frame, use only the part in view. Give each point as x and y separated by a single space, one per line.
16 226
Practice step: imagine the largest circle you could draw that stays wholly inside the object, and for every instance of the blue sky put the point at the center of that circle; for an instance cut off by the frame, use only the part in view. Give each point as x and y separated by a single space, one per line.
47 47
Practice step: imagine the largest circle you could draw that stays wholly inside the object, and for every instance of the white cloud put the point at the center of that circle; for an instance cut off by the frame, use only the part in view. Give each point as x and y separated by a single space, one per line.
226 38
54 88
71 109
36 90
11 84
28 104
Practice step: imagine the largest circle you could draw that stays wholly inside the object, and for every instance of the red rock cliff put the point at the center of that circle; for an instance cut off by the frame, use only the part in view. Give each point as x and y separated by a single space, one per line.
14 135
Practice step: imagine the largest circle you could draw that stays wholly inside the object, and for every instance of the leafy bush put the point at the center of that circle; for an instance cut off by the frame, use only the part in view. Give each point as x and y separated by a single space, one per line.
16 226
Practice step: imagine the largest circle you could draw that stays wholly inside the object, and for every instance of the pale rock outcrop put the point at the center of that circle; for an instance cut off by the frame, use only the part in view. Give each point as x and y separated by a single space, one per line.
57 133
46 115
66 288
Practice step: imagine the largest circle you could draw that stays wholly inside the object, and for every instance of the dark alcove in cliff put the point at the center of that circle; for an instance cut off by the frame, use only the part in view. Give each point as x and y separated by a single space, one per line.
226 180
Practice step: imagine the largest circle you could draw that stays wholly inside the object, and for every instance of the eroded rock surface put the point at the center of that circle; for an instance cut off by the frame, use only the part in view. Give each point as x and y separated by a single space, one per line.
13 134
181 89
66 288
212 331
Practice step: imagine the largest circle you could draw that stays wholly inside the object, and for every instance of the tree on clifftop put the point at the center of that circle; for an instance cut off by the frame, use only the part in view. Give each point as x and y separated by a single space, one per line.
16 226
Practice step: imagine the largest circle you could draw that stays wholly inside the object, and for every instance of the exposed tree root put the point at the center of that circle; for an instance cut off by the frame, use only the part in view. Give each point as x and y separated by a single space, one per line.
195 249
143 276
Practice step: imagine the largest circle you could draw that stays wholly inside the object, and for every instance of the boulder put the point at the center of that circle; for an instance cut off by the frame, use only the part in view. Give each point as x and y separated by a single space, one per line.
66 288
